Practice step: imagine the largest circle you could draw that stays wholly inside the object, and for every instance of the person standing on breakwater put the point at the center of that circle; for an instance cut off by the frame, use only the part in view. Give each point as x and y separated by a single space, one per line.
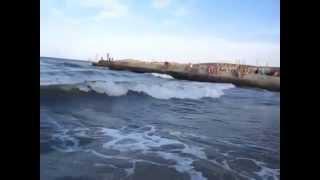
256 71
166 64
109 58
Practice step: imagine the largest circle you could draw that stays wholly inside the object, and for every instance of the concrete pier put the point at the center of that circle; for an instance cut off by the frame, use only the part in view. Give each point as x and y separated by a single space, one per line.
239 75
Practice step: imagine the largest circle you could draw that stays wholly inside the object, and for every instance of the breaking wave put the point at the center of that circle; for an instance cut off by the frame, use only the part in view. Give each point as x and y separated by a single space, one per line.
165 76
163 90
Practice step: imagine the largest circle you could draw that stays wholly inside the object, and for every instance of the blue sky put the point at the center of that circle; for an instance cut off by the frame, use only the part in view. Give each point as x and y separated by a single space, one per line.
178 30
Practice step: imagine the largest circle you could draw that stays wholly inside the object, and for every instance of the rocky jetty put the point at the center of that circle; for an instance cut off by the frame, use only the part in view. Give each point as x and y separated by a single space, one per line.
237 74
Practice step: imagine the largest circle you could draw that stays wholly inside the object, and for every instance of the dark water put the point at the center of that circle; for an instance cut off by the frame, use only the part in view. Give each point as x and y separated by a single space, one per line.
102 124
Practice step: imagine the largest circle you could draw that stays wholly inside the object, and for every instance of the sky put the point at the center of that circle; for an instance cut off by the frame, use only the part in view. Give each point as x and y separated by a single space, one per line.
185 31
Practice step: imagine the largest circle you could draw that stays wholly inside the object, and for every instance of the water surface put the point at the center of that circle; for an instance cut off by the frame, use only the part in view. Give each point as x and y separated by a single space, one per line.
102 124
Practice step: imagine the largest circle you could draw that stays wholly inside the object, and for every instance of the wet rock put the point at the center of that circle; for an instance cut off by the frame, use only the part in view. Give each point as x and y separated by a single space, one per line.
213 171
146 171
244 165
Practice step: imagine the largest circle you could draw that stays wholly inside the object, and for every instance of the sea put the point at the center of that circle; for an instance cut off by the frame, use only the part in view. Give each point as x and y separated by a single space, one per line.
101 124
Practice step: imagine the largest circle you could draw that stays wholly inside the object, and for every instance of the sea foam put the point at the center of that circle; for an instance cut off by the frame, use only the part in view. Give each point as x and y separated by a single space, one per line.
148 142
163 90
165 76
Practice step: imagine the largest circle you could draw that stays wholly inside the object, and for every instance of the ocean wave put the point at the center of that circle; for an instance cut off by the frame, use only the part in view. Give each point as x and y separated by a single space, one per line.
165 76
74 65
161 90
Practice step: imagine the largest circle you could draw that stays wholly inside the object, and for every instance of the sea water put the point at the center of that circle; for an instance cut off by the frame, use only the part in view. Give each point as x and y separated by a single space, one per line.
100 124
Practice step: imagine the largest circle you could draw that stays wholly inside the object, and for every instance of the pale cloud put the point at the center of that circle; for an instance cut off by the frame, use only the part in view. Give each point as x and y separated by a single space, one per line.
160 3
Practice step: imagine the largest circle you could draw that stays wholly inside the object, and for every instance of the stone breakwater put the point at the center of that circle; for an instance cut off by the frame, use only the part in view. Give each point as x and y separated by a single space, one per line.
237 74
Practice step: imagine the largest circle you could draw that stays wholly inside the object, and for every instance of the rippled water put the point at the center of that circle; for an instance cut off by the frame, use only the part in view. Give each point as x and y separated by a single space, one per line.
102 124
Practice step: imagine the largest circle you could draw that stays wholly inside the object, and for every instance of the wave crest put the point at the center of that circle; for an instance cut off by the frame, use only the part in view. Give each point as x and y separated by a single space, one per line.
164 76
161 90
109 88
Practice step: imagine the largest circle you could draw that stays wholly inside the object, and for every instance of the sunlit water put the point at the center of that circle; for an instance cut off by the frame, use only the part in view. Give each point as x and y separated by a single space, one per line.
102 124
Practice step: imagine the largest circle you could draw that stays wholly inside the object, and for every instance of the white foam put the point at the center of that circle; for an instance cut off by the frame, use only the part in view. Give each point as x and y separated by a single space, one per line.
84 88
137 141
182 89
63 138
195 151
265 171
165 76
119 83
130 171
184 165
147 142
161 90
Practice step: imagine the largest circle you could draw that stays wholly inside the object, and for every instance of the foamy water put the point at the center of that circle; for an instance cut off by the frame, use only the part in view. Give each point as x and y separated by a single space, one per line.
165 76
